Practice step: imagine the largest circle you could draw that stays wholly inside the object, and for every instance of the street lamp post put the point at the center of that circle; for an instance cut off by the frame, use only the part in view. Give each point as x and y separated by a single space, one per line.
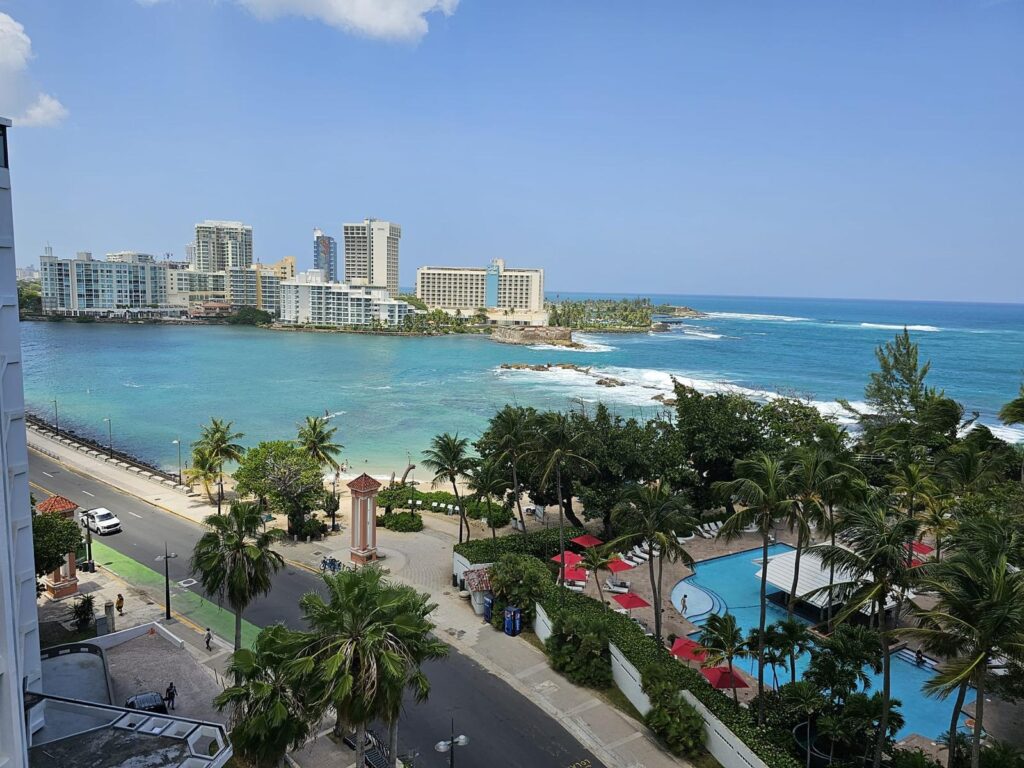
56 421
110 437
178 443
334 493
449 745
166 556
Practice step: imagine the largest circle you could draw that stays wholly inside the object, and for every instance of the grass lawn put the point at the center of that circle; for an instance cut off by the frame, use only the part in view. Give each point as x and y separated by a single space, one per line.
191 605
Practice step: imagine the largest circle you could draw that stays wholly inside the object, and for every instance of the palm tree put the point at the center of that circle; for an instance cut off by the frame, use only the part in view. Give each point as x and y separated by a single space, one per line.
559 443
806 699
651 515
811 478
449 460
594 559
722 641
205 470
365 644
875 559
938 520
316 438
792 637
775 655
1013 413
221 443
764 486
486 481
269 711
234 559
977 619
512 429
969 468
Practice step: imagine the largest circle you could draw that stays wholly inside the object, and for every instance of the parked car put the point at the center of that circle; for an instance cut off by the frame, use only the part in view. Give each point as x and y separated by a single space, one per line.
101 520
147 702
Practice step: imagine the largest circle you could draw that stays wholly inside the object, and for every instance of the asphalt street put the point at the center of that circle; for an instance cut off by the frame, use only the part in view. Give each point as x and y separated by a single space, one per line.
504 728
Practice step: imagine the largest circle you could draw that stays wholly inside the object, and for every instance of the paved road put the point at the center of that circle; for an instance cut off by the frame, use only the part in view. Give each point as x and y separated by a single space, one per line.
505 729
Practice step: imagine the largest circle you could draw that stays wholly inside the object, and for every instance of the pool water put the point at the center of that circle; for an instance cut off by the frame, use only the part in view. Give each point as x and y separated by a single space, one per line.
730 584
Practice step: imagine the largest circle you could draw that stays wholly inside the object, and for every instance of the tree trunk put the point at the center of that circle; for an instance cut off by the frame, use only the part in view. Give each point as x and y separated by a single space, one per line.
519 501
462 512
732 681
807 735
339 726
655 591
760 634
831 567
577 523
979 715
954 722
361 745
393 743
600 592
883 723
494 534
561 527
791 603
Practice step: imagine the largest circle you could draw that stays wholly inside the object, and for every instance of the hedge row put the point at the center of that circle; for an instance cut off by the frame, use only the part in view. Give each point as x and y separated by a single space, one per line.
540 544
404 496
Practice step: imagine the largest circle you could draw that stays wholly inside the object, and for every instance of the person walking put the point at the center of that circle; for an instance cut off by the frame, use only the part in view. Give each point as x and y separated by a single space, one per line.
209 639
119 604
170 695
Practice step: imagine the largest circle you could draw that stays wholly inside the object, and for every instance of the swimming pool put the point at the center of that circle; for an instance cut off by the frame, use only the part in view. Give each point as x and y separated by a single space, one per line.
730 584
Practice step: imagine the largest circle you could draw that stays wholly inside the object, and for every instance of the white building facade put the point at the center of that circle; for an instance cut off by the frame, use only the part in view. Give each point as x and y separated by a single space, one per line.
471 288
125 283
371 254
221 245
310 299
20 665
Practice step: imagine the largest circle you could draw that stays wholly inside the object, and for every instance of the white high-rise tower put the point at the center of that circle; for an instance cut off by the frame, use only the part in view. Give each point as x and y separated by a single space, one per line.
371 254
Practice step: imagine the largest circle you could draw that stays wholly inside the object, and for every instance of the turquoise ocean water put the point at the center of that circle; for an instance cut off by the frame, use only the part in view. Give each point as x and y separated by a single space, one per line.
389 395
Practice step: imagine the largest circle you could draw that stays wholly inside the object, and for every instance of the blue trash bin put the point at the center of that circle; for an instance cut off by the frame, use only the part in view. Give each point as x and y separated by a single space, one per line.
488 607
513 621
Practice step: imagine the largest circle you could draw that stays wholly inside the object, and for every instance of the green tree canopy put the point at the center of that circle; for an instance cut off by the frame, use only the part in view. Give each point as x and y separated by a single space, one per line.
282 475
53 536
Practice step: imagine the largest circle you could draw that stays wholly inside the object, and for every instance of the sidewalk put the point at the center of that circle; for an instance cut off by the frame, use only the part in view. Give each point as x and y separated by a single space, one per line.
422 560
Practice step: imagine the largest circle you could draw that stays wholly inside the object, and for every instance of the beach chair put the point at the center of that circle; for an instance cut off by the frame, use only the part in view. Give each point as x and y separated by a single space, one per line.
618 587
573 587
637 553
704 532
627 557
715 528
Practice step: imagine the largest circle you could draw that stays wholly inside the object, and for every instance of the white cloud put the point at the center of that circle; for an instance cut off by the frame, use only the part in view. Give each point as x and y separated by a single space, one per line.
386 19
45 111
18 95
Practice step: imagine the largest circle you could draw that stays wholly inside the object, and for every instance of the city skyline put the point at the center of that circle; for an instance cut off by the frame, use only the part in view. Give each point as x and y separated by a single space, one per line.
738 149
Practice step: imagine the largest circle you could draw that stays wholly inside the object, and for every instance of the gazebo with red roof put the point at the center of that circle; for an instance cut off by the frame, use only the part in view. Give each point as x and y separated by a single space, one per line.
58 504
364 519
62 582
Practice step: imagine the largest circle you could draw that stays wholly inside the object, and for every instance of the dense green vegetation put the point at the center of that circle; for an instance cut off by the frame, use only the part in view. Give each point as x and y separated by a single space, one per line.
412 299
30 297
53 536
916 468
250 316
595 314
437 321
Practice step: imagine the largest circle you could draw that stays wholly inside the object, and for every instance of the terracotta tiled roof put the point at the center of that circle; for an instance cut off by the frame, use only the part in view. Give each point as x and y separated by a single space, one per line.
56 504
364 484
478 579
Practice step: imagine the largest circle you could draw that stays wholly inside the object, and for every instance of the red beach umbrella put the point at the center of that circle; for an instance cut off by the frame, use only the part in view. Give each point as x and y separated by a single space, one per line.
631 600
688 650
921 548
720 677
586 541
575 574
571 558
615 566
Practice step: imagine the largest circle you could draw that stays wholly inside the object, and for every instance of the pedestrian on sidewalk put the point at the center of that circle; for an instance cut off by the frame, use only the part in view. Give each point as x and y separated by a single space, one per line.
170 695
119 604
209 638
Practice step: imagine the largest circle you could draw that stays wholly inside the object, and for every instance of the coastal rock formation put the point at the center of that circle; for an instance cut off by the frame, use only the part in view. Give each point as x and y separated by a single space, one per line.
533 334
665 399
610 382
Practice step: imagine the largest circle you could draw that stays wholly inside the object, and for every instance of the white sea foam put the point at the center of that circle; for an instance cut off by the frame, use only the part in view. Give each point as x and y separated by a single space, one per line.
131 384
1007 433
701 334
755 316
589 345
333 414
889 327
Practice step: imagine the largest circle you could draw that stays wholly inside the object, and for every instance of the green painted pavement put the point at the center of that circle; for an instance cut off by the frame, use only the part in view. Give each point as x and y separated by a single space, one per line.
193 607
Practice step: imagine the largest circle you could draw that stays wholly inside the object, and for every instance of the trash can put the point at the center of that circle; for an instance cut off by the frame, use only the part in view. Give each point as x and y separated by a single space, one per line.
488 607
513 621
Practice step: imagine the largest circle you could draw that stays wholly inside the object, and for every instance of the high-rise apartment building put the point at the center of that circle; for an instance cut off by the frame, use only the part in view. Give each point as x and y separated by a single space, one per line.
325 254
125 283
20 664
221 245
471 288
371 254
310 299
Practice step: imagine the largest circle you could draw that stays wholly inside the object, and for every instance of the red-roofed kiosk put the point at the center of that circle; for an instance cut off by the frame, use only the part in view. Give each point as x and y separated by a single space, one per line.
364 519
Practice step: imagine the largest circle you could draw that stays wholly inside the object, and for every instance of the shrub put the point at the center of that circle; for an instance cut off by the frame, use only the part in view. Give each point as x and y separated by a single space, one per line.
82 611
673 719
520 581
310 527
578 648
401 522
912 758
541 544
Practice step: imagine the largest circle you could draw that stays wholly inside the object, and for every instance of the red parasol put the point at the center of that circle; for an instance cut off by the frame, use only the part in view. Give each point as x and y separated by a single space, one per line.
921 548
631 600
571 558
720 677
575 574
688 650
615 566
586 541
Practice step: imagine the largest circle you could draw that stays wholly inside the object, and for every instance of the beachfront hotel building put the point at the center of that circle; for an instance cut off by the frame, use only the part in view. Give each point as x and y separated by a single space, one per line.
506 295
325 254
371 254
311 299
221 245
126 283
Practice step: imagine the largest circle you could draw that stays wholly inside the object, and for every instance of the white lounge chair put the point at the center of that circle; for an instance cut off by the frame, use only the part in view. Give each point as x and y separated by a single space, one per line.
618 587
704 531
637 553
715 528
572 587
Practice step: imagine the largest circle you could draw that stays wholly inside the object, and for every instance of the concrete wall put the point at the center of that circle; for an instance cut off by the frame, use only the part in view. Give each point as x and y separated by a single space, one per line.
628 680
116 638
722 743
542 624
460 565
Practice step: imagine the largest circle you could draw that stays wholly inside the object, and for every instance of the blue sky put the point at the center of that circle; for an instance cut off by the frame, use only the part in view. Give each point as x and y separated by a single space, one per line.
857 149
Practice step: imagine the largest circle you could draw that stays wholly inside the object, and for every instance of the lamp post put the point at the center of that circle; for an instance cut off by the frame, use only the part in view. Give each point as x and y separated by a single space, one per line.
449 745
220 493
178 443
167 580
110 437
334 506
56 421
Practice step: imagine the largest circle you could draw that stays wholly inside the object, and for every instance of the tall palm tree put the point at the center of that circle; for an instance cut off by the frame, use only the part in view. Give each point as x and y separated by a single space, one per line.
977 619
205 470
559 444
1013 413
512 429
316 438
363 646
448 458
792 637
487 481
235 559
222 443
763 486
594 559
723 642
811 479
938 520
969 468
806 699
875 561
651 515
269 711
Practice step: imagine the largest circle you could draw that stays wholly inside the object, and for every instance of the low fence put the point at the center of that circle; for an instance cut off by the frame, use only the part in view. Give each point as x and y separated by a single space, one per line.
542 624
628 680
